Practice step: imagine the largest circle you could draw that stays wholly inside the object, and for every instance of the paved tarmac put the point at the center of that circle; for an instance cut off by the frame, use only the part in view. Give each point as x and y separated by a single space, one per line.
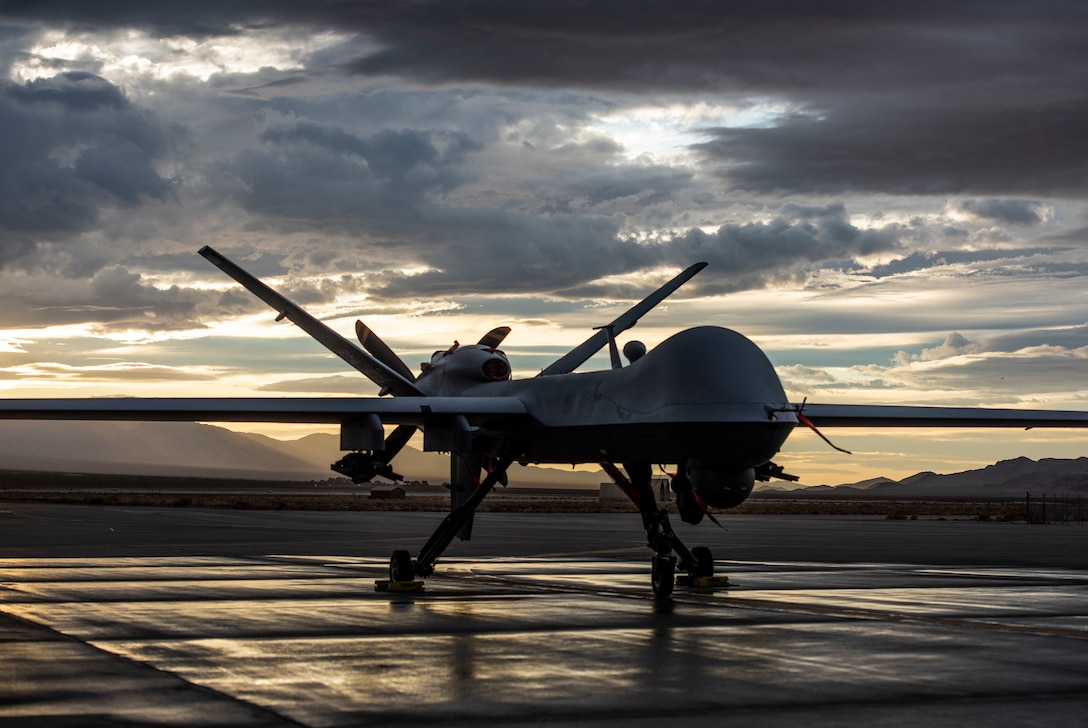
115 616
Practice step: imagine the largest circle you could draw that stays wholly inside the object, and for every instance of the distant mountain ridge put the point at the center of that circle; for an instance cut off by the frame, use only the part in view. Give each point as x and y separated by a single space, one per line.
191 449
1004 479
197 450
151 448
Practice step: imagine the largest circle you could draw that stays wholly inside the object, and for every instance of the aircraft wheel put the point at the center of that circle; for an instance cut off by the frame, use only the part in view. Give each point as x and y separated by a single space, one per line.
662 575
400 566
705 559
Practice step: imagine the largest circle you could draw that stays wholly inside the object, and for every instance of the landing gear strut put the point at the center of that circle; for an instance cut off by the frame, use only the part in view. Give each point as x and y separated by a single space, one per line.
669 550
402 568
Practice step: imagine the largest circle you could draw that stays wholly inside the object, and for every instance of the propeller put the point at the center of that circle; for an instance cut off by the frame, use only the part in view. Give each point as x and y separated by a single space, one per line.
494 337
378 363
381 351
378 463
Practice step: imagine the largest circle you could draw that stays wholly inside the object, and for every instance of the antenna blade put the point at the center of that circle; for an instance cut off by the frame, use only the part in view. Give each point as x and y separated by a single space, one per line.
374 370
579 354
381 351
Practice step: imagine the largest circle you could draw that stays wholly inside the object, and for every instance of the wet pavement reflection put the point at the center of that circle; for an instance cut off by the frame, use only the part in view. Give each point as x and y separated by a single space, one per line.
305 639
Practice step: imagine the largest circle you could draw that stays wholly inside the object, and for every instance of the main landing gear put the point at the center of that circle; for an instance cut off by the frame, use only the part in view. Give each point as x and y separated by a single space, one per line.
403 570
669 551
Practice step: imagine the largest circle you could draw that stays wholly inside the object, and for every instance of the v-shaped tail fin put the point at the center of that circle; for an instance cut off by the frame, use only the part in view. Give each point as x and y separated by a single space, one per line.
579 354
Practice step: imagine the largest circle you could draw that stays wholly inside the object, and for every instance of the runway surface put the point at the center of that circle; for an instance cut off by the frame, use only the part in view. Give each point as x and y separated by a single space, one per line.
112 616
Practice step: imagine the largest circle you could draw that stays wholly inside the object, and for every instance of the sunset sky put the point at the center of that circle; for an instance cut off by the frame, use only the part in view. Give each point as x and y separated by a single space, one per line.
891 197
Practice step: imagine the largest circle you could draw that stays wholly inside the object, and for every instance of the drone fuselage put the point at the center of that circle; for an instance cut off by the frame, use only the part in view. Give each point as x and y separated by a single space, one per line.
707 394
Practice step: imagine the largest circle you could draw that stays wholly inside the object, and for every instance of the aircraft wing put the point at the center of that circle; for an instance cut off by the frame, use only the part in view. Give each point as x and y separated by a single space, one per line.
419 411
858 415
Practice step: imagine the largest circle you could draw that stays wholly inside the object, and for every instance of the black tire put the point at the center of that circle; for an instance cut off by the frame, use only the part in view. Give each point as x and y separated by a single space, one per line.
662 576
704 565
400 566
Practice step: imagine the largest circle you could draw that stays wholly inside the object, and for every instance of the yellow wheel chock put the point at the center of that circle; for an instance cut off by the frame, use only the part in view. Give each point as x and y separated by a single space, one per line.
384 585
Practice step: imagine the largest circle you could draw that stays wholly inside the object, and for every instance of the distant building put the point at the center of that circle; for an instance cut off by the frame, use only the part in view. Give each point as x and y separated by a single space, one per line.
387 492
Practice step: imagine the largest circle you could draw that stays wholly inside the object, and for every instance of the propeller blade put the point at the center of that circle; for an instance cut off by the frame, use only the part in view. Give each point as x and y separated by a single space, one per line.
579 354
373 369
381 351
396 441
494 337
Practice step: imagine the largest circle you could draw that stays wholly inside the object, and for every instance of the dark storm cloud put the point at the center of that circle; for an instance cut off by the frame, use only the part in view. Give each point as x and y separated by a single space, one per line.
704 46
1002 145
68 146
697 45
1073 337
644 184
195 19
405 161
559 238
1011 212
13 44
980 99
931 97
74 91
320 173
925 260
497 251
124 170
751 255
934 98
112 299
563 254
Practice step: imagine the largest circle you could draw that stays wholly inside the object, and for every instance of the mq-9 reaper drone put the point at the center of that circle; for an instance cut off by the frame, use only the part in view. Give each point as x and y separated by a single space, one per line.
705 401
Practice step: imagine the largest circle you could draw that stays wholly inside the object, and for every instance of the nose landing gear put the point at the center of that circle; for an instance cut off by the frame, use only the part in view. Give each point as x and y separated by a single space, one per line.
403 570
